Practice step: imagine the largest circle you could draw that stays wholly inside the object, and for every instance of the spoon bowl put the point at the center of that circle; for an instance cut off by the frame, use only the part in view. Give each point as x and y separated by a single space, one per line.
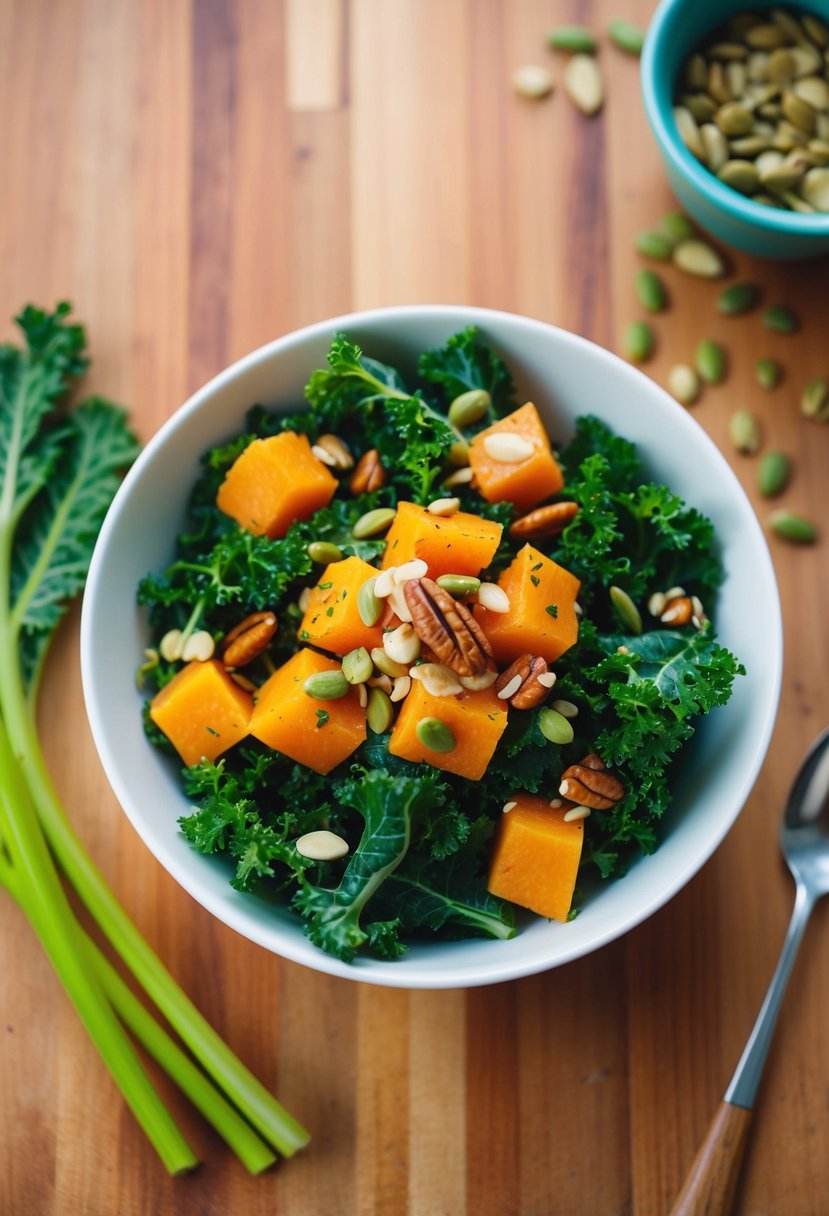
804 836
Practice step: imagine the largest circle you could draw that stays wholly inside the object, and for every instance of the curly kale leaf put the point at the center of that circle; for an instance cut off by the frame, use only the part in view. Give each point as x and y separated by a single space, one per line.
465 363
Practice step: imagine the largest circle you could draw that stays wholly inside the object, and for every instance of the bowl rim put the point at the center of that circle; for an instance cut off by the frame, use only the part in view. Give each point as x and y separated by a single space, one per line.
299 949
659 109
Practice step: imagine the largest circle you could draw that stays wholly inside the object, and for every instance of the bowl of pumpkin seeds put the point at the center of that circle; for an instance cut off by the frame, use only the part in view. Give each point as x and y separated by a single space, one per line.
739 103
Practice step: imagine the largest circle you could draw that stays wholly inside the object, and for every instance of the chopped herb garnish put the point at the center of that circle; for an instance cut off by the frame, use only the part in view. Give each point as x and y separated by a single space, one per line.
552 609
322 717
535 580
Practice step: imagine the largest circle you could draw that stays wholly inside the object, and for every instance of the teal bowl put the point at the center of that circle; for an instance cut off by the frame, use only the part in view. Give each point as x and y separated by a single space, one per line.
677 27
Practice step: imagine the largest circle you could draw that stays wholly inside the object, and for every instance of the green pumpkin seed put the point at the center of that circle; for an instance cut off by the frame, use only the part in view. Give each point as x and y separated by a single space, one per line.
768 373
626 610
799 113
653 245
715 145
718 84
780 66
698 258
793 528
369 606
639 341
379 711
373 523
781 178
388 666
744 431
781 319
459 585
357 666
815 91
326 685
787 23
740 175
555 727
683 383
323 553
814 403
750 146
651 291
820 150
469 407
737 299
627 36
688 130
734 119
573 38
435 735
701 106
766 37
772 473
816 30
815 189
459 454
796 203
710 361
736 77
729 51
696 73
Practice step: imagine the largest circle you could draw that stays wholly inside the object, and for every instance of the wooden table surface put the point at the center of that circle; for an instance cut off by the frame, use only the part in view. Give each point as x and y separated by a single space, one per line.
198 177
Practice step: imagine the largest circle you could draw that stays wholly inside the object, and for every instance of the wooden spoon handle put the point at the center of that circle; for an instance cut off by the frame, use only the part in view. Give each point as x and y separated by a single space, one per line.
712 1180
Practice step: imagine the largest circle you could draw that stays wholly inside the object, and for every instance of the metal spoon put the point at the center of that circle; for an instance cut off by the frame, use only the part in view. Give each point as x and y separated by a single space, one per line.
804 839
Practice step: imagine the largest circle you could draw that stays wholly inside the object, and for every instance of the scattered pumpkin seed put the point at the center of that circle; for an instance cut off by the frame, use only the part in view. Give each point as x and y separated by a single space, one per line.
650 291
626 610
654 245
379 712
683 383
584 84
324 553
373 523
814 402
533 81
676 226
710 361
369 606
357 666
781 319
321 846
555 727
459 585
574 38
326 685
698 258
772 473
744 431
639 341
386 665
435 735
627 36
793 528
768 373
737 299
469 407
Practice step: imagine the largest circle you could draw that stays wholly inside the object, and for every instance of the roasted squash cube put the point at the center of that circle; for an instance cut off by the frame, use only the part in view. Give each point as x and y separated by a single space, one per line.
448 544
332 619
536 857
542 616
318 734
526 482
202 711
274 482
476 719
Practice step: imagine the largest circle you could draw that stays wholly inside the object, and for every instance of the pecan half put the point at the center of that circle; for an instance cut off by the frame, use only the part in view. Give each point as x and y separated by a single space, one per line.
529 692
545 521
590 784
447 627
337 451
369 474
248 639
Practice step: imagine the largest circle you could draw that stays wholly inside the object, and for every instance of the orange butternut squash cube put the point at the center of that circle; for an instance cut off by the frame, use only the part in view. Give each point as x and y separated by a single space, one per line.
274 482
476 719
526 482
318 734
332 619
202 711
542 616
536 857
448 544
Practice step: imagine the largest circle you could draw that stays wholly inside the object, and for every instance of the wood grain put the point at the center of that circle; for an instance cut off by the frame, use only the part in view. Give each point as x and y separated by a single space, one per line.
200 176
712 1181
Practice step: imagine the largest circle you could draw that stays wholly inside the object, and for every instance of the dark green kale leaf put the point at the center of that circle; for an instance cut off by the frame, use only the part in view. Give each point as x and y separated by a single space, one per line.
465 363
350 385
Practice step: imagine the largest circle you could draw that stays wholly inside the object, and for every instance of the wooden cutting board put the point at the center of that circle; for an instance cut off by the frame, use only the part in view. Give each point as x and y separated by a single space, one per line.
200 176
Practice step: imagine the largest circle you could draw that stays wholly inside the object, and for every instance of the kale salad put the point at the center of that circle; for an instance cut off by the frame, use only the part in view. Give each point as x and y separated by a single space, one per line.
426 669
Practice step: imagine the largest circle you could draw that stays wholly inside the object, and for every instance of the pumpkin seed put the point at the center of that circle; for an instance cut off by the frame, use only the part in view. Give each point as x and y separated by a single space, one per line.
555 727
458 455
734 119
574 38
626 610
744 431
533 81
816 30
815 91
701 106
737 299
698 258
493 598
379 712
469 407
780 66
435 735
717 85
387 665
736 77
566 708
369 606
444 507
683 383
676 226
772 473
767 161
321 846
768 373
461 477
730 51
324 553
788 23
799 113
651 291
627 36
780 319
715 146
653 245
793 528
584 85
806 60
373 523
459 585
507 447
688 130
171 645
766 37
740 175
796 203
639 341
710 361
814 402
757 66
750 146
815 189
820 150
696 72
781 178
357 666
326 685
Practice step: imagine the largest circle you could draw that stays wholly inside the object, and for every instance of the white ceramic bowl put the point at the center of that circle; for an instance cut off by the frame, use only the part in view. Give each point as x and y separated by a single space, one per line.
565 376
